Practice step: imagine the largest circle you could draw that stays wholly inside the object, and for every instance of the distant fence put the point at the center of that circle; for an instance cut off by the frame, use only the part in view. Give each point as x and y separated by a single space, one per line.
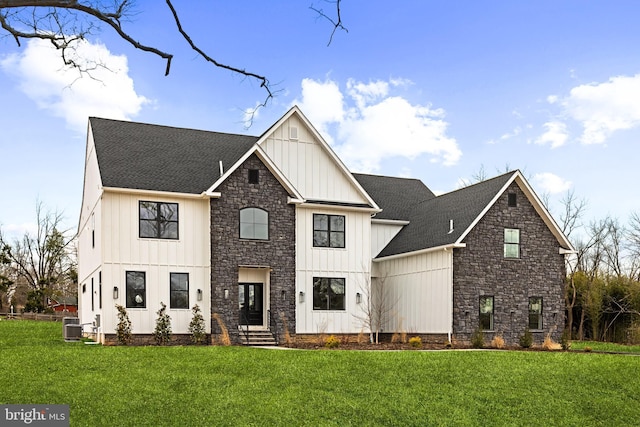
53 317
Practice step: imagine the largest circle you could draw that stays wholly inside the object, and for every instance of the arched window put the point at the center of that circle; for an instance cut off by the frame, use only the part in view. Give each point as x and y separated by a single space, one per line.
254 224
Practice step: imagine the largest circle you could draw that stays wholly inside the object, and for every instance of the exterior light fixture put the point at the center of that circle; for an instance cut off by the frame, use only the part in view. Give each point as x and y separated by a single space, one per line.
199 294
283 294
115 292
301 297
226 294
358 298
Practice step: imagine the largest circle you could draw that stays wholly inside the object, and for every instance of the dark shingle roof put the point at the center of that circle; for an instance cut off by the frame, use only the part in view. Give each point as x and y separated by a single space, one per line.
395 196
429 218
162 158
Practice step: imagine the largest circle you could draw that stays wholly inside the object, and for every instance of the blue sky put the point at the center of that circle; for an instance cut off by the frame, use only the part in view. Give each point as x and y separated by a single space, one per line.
434 90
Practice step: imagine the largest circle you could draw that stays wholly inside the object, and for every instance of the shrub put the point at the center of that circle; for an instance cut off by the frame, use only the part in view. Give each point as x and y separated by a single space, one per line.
526 340
588 349
477 339
548 343
415 342
224 332
565 340
498 342
162 332
123 330
332 342
196 326
285 327
447 344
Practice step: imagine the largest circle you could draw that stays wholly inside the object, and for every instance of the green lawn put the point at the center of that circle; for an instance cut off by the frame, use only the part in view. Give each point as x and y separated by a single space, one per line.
605 346
211 386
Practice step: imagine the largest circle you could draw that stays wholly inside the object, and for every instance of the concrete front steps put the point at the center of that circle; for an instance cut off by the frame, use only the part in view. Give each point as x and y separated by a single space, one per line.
257 338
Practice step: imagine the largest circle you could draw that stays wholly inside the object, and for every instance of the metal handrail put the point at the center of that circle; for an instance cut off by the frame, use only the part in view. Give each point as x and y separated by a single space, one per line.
245 319
273 326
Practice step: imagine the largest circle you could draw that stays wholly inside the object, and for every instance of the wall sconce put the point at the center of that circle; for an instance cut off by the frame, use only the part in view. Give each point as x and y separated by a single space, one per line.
226 294
358 298
115 292
301 297
199 294
283 294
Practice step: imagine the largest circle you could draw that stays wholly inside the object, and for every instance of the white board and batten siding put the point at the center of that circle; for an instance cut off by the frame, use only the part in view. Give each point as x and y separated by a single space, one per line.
381 235
124 250
89 237
419 292
307 164
353 263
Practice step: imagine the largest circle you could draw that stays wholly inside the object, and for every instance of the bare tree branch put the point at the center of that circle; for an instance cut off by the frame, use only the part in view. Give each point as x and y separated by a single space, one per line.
337 22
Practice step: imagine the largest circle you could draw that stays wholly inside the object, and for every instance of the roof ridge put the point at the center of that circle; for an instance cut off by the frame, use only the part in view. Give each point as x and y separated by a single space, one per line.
172 127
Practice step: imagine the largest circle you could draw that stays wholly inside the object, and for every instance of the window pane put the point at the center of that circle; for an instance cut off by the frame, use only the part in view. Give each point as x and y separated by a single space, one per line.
169 230
260 216
169 211
336 301
511 250
337 223
320 294
136 293
148 210
486 313
246 215
320 238
179 290
320 222
511 235
337 240
148 228
261 231
535 313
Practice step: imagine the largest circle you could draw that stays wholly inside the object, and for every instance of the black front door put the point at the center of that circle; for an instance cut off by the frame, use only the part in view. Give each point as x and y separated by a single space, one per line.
250 299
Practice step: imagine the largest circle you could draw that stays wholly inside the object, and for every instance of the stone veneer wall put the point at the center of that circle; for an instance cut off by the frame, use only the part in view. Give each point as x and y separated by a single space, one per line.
228 251
481 269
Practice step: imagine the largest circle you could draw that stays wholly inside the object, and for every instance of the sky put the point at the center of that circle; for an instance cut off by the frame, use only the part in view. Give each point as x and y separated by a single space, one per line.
436 90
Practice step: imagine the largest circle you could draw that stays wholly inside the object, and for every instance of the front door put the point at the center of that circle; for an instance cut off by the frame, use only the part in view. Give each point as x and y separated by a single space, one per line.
250 299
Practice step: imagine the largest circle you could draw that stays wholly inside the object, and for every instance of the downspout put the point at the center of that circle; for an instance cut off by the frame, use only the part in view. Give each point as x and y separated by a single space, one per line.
450 332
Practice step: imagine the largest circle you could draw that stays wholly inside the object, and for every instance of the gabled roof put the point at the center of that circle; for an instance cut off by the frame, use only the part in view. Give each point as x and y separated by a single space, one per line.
430 219
395 196
161 158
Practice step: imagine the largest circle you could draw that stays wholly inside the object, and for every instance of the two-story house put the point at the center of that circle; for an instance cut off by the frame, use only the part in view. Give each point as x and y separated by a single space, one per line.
274 230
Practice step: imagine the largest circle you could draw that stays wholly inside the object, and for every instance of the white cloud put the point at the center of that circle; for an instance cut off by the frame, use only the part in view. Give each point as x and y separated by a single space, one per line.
556 134
370 124
604 108
551 183
59 90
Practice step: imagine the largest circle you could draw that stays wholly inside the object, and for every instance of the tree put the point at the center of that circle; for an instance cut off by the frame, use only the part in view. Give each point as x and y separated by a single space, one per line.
65 22
196 326
162 332
376 305
123 330
42 261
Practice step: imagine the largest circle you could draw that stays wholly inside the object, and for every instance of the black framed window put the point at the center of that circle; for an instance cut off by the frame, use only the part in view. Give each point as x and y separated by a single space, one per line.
136 289
328 231
535 313
328 293
158 220
92 295
179 290
486 313
254 224
511 243
99 289
512 200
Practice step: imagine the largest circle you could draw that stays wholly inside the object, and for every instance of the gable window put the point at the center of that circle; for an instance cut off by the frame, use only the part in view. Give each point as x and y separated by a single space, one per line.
254 224
535 313
328 293
512 200
158 220
136 289
511 243
486 313
179 290
254 176
328 231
